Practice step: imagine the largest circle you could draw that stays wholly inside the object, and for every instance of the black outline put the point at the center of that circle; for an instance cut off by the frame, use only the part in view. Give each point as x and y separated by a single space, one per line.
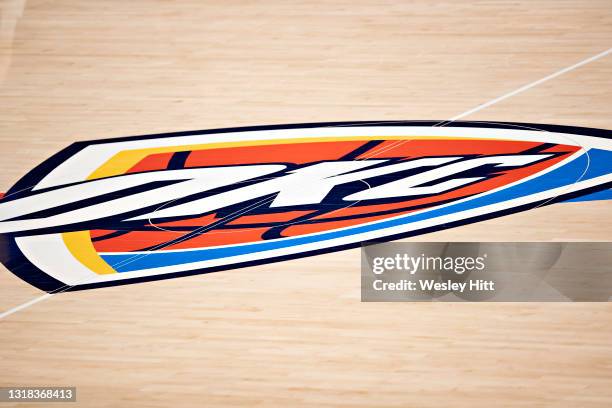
177 160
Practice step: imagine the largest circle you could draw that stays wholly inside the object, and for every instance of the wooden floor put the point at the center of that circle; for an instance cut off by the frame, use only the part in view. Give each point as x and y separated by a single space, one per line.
295 333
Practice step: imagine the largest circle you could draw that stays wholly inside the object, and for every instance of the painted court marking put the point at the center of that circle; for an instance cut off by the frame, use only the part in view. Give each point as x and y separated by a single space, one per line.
532 84
462 115
25 305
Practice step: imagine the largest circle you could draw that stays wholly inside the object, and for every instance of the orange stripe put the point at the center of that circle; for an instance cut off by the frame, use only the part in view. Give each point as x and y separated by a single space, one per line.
135 240
226 237
302 229
267 218
157 161
298 153
424 148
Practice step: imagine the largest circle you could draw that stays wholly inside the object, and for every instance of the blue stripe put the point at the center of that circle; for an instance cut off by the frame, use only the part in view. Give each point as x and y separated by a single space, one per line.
563 176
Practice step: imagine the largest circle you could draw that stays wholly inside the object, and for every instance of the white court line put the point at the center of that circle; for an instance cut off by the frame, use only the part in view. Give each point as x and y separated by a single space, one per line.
461 115
532 84
25 305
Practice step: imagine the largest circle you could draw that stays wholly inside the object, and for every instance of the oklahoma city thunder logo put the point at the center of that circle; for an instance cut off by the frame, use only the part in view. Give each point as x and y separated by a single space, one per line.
125 210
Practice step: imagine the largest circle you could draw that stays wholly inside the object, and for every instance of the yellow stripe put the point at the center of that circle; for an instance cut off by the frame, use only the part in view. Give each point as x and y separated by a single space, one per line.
80 246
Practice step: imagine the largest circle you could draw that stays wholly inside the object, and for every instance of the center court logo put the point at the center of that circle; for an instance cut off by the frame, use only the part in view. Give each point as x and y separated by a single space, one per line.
125 210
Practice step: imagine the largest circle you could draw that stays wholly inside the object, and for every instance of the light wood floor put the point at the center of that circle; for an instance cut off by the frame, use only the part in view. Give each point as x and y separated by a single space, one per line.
295 333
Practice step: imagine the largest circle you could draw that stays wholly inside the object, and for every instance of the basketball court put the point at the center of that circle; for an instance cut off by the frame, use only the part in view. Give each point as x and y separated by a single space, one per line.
295 333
